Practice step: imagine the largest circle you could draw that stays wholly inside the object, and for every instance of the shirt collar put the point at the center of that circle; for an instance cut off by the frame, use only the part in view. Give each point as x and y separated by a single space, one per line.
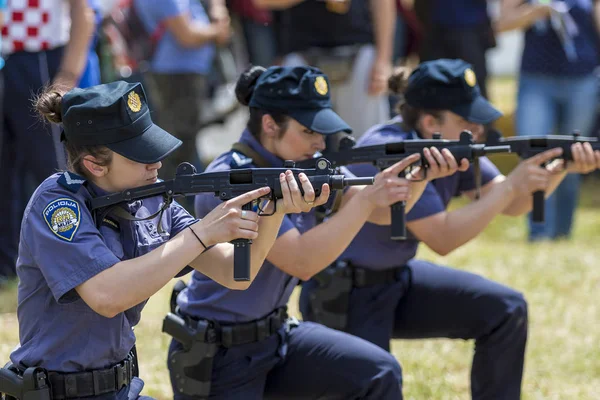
249 140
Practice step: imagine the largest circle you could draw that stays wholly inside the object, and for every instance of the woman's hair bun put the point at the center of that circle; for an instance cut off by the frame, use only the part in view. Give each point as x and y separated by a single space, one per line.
49 104
398 81
246 83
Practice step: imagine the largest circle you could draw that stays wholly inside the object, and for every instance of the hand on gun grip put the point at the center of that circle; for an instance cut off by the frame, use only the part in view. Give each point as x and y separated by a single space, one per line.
531 175
228 221
389 188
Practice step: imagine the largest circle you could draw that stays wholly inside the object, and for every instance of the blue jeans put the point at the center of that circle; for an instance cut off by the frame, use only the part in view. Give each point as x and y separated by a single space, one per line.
260 41
547 105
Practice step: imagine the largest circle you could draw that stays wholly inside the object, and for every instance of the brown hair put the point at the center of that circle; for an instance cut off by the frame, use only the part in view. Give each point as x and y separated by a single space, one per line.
49 106
397 84
243 91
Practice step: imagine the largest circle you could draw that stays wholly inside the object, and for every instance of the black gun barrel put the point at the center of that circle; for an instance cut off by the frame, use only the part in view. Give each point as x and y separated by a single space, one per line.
496 149
358 181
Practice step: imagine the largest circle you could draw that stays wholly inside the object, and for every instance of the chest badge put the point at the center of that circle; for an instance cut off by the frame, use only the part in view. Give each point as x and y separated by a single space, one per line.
63 217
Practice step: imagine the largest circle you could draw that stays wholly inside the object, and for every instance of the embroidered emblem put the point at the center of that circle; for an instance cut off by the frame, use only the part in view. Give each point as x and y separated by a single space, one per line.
70 181
134 102
63 217
321 86
470 77
238 160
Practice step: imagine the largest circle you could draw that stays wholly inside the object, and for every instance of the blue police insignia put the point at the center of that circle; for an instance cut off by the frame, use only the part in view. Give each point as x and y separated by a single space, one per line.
239 160
71 181
63 217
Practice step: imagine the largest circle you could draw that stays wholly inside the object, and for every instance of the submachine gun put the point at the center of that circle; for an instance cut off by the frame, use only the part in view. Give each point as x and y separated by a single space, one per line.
528 146
31 385
227 185
384 155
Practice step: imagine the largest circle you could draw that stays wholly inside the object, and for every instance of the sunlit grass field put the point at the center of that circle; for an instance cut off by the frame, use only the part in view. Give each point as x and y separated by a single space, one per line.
561 281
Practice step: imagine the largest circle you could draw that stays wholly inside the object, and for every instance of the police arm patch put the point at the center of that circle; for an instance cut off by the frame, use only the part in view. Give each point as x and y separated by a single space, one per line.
63 217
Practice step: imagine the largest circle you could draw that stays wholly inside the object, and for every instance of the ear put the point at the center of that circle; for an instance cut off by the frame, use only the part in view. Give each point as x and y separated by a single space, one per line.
270 127
92 165
429 124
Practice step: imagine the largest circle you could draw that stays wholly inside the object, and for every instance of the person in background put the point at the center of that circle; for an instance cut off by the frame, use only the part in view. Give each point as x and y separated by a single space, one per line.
51 50
558 87
351 42
184 55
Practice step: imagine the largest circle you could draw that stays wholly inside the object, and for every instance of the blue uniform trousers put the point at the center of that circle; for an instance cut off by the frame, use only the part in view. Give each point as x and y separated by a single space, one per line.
28 154
430 301
308 361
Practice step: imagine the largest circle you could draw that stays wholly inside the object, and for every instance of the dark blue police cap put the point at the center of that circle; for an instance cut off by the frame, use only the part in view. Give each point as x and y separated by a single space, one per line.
446 84
115 115
301 93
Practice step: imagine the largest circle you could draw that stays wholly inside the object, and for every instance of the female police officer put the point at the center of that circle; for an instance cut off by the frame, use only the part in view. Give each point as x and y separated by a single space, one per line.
81 288
256 351
408 298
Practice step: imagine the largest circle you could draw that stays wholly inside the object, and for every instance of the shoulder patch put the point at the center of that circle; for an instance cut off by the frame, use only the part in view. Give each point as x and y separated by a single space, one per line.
63 217
239 160
71 181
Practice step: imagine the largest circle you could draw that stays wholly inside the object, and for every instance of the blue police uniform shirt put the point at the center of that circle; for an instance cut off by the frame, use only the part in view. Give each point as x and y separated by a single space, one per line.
170 57
544 53
60 248
271 288
372 247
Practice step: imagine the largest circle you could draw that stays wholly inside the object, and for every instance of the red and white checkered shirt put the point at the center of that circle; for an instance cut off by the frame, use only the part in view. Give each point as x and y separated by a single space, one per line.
35 25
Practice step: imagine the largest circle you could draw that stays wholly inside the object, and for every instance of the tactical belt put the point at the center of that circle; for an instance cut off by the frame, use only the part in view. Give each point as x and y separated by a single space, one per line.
92 383
239 334
363 277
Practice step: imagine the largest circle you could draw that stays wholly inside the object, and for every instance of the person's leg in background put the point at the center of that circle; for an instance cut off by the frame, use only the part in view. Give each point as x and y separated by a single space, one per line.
178 100
400 40
536 115
351 100
579 97
260 42
28 147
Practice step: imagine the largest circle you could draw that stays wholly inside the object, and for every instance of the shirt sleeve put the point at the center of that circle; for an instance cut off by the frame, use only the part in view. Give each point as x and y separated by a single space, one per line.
467 179
429 203
64 243
180 218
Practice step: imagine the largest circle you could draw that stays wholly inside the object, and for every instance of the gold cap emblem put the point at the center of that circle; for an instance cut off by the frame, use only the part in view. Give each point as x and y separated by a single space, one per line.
470 77
321 86
133 102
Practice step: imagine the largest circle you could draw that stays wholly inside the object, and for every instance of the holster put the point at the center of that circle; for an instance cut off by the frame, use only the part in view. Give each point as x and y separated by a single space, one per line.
31 384
330 299
337 62
192 366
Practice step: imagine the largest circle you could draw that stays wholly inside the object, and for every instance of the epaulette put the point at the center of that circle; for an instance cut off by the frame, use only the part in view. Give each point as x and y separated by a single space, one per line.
71 181
239 160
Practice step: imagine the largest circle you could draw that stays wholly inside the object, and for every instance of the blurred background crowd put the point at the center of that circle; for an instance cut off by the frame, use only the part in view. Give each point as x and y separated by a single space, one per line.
189 53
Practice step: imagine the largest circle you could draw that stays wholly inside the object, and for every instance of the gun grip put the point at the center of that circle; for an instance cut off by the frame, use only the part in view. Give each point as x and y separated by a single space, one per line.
398 221
241 255
538 206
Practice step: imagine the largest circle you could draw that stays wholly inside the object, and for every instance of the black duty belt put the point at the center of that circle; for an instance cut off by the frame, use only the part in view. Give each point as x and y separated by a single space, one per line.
92 383
238 334
363 277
